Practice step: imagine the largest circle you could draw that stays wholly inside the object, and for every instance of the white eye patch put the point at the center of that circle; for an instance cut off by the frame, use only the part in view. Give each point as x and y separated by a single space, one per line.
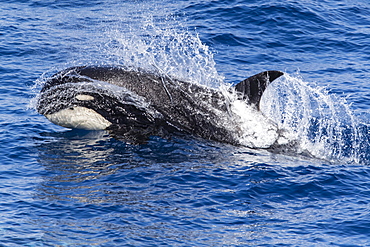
84 97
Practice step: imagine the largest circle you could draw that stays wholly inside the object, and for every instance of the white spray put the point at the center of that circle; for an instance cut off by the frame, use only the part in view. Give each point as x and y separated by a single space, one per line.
322 123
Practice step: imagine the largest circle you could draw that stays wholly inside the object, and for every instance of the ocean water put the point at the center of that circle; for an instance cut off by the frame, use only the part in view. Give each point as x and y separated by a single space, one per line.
61 187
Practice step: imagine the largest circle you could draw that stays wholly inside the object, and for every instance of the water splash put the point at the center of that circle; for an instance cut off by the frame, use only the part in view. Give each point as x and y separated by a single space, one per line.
256 130
321 123
164 46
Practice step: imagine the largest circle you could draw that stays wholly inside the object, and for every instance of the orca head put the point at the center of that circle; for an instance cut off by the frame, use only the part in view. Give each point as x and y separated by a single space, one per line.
72 106
92 106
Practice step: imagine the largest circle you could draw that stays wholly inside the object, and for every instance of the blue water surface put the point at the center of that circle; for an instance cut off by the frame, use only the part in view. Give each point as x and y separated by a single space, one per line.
62 187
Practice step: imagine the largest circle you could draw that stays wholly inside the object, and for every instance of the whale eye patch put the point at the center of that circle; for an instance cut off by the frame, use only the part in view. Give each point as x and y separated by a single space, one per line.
84 97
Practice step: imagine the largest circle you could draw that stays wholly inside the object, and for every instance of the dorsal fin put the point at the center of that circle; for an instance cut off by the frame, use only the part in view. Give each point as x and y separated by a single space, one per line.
253 87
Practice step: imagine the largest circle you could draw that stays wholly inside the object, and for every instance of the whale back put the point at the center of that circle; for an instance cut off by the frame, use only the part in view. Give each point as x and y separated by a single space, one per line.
85 74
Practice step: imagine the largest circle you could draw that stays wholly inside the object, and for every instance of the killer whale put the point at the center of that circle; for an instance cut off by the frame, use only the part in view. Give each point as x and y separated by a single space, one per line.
133 104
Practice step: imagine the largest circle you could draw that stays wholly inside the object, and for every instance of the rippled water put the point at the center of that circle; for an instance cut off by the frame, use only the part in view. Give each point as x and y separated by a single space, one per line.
74 188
